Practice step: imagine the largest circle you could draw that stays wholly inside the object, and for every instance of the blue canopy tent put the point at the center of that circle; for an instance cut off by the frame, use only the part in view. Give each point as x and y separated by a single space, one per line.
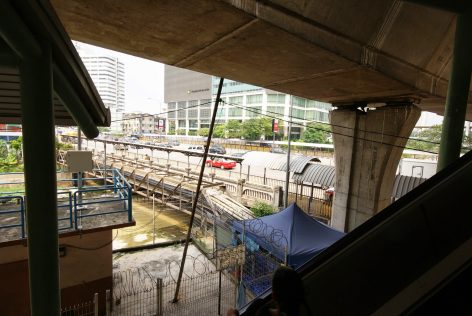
290 233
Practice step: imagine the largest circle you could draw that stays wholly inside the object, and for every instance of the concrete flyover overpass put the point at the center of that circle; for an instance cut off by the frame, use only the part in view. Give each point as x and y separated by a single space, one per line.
396 56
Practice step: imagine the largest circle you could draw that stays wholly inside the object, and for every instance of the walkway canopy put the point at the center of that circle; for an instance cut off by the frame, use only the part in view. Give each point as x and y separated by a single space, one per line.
24 27
304 237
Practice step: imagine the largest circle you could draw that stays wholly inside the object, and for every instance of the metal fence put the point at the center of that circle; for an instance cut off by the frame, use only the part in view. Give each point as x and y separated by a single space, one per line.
77 208
88 308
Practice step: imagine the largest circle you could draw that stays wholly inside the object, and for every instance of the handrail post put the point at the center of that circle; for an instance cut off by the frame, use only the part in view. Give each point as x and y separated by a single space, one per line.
75 209
71 225
22 214
130 203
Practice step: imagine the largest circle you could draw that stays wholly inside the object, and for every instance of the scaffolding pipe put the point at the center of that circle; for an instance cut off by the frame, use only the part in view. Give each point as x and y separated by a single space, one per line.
197 192
457 93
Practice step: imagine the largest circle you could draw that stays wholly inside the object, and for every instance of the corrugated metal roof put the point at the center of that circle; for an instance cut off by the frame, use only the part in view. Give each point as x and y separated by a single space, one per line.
277 161
317 174
404 184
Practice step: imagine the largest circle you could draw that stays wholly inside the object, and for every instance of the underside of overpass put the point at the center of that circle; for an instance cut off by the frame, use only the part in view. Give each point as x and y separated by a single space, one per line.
328 50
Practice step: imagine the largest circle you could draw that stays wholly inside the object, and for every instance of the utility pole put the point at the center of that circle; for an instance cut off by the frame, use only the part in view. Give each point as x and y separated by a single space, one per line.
287 174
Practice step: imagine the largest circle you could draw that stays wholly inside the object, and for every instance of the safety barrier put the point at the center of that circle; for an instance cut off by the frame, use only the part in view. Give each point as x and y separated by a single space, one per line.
77 208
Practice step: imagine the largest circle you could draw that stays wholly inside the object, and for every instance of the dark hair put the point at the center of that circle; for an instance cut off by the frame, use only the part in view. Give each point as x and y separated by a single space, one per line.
287 290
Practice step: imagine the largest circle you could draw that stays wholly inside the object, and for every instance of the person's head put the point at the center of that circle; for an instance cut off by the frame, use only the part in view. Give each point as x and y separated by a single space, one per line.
287 290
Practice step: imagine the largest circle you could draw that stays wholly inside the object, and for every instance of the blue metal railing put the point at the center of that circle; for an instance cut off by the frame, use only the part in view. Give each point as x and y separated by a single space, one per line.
73 205
20 211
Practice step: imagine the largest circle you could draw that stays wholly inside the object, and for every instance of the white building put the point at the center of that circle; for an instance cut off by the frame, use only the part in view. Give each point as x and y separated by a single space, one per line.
108 75
190 99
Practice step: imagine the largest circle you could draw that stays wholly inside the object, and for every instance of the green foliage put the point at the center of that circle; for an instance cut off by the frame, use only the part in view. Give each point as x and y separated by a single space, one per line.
181 132
426 139
255 128
219 131
192 133
203 132
260 209
316 133
63 146
234 129
3 149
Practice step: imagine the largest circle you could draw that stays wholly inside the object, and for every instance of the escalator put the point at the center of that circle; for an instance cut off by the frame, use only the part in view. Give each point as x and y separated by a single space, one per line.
414 257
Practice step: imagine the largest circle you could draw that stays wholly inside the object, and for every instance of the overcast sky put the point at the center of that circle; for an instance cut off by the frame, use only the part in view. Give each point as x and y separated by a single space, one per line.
144 80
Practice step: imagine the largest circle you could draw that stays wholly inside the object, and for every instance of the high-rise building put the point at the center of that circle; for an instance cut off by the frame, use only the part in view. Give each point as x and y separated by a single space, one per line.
190 93
108 75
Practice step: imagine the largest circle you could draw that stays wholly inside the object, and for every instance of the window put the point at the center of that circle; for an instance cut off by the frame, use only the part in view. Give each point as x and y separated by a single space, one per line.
254 99
221 112
235 112
299 101
276 98
236 100
205 112
273 110
254 111
182 123
193 124
182 111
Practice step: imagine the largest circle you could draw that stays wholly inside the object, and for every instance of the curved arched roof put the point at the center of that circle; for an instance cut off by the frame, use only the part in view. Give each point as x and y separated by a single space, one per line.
317 174
278 161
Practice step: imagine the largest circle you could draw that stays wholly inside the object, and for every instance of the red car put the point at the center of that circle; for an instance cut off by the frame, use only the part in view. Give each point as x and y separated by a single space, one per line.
221 163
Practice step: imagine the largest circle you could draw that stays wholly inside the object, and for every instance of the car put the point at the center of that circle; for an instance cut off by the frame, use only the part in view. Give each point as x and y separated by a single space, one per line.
173 143
277 150
164 145
120 147
217 149
239 155
221 163
329 193
195 148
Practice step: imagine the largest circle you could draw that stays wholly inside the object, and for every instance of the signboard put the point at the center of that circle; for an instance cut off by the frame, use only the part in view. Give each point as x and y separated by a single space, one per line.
161 125
275 126
230 257
78 160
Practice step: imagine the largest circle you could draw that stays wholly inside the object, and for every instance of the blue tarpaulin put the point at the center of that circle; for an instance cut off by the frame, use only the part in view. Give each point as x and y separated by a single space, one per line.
291 233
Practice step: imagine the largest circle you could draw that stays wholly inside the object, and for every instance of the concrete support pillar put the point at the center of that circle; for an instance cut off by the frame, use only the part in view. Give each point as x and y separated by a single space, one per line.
277 196
368 147
239 190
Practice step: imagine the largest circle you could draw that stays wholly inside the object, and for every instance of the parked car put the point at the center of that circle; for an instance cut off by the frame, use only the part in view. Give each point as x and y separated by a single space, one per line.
239 155
173 142
120 147
329 193
277 150
217 149
195 148
221 163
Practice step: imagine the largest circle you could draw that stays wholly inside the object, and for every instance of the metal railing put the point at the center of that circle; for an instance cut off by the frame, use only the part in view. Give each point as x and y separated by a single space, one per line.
75 206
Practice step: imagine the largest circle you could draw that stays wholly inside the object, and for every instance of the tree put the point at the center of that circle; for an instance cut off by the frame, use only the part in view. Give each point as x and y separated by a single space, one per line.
16 145
219 131
316 133
203 132
427 139
234 129
260 209
253 129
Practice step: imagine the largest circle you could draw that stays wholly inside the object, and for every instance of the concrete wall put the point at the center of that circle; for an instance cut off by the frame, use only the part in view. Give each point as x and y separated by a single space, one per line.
83 272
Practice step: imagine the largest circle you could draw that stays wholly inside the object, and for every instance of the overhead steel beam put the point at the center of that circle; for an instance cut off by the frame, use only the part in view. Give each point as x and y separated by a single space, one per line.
74 105
456 6
15 33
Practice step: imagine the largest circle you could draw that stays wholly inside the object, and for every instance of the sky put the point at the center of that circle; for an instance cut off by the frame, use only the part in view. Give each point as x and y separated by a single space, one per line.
144 80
